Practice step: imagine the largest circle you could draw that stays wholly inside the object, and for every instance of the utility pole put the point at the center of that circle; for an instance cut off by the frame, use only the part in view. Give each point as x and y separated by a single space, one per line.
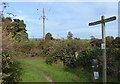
43 22
43 17
103 45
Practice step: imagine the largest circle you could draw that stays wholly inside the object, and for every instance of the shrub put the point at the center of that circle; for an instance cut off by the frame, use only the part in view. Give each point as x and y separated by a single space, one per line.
63 50
48 36
112 52
24 46
9 67
85 57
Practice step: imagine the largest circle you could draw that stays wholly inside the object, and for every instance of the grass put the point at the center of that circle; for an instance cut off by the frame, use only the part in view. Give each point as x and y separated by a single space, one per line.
29 74
56 72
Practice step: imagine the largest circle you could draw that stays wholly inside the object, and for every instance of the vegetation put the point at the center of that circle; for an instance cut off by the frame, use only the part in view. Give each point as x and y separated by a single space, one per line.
70 35
16 29
57 73
113 50
10 31
64 50
64 58
48 36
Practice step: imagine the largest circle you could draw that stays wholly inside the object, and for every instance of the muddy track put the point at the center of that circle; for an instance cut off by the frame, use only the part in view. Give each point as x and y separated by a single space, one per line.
50 81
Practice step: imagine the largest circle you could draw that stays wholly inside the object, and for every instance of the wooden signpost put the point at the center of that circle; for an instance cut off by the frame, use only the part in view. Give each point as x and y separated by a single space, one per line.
103 45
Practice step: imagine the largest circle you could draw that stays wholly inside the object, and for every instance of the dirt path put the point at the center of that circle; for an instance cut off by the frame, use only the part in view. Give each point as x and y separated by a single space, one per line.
44 75
50 81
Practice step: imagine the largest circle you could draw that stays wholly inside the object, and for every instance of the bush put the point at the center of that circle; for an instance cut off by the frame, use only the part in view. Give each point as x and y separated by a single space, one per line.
48 36
63 50
24 46
85 57
10 69
112 52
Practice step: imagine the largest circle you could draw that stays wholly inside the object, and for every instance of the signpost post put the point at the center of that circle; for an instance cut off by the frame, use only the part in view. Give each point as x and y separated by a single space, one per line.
103 45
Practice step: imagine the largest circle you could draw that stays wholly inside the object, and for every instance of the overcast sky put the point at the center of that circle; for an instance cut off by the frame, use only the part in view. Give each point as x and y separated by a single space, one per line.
64 17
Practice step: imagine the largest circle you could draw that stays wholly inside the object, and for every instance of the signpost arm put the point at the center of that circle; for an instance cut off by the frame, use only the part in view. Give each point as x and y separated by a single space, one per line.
104 49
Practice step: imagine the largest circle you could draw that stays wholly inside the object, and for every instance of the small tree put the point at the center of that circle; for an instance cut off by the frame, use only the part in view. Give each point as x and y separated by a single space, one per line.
92 37
70 35
48 36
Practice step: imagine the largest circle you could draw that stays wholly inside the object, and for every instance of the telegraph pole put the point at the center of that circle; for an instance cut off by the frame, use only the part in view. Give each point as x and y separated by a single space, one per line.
103 45
43 22
43 17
